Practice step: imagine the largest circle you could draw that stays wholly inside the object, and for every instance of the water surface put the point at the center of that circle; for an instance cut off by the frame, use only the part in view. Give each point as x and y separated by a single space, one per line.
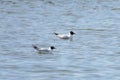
93 55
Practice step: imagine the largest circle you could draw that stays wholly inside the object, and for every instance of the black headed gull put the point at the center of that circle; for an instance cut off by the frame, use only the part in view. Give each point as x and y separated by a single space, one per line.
44 50
65 36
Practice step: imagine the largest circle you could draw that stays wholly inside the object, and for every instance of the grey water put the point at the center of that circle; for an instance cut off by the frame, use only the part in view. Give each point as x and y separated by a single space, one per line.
94 53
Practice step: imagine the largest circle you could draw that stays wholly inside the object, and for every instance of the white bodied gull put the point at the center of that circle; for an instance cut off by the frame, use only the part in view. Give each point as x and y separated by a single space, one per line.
44 50
65 36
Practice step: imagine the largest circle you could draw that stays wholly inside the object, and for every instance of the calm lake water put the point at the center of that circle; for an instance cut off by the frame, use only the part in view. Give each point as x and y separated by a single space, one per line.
94 54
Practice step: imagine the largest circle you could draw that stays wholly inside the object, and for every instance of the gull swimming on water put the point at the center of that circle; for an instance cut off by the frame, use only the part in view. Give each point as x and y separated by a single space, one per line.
44 50
65 36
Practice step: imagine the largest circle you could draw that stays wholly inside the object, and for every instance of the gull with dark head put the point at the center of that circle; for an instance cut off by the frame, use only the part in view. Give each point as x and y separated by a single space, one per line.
66 36
44 50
